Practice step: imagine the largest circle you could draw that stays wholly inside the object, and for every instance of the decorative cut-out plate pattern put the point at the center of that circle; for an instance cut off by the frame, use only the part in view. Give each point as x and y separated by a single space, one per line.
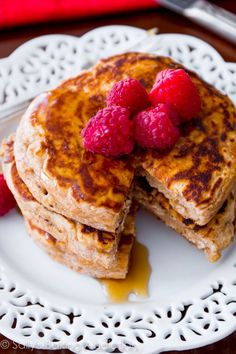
45 305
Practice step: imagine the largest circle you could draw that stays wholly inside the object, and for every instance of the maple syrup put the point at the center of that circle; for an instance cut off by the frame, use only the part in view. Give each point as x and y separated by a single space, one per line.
136 282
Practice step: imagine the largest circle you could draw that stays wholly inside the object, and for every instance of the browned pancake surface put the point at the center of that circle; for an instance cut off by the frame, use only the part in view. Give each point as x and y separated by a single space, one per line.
200 169
90 237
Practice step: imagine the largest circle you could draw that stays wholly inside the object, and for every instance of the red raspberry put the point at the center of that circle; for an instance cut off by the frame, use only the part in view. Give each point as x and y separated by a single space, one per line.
109 132
128 93
7 201
153 128
173 114
176 88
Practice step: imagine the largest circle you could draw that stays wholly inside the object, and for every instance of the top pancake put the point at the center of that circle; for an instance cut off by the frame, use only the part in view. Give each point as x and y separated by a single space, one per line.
197 175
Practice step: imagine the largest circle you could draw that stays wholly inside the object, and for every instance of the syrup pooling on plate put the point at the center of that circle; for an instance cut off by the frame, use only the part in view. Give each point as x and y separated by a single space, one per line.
136 281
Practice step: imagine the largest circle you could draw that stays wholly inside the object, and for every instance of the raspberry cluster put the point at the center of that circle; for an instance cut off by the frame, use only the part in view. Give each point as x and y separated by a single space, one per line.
149 120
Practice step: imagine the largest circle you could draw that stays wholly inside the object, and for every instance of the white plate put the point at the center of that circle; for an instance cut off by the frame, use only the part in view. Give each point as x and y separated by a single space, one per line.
45 305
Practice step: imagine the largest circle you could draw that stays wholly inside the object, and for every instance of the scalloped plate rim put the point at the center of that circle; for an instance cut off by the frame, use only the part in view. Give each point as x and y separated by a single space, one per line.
184 346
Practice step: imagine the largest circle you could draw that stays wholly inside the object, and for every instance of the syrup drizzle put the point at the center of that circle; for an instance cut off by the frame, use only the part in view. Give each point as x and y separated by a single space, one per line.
136 282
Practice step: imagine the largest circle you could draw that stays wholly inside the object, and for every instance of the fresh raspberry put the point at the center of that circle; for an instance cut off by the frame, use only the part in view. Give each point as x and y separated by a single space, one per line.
128 93
175 87
172 113
7 201
109 132
153 128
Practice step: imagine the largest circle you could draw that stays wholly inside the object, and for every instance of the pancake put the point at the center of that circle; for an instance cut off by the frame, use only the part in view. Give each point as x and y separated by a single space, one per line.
59 252
80 239
197 175
211 238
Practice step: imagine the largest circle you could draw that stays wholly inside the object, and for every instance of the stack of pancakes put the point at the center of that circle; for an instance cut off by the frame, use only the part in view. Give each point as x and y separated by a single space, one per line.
79 206
85 249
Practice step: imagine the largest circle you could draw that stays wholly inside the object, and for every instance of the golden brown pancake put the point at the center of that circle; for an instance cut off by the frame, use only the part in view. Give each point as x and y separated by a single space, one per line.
197 175
58 251
80 239
212 238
